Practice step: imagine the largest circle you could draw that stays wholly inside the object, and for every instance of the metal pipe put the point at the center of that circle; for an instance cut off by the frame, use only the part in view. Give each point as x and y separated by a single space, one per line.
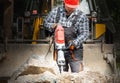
90 5
26 41
95 5
93 41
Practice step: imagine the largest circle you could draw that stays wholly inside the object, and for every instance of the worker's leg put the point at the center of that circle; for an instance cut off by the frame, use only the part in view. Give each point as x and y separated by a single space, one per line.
76 66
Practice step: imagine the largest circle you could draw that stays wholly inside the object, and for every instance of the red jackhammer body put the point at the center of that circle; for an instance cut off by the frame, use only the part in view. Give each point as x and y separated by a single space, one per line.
59 45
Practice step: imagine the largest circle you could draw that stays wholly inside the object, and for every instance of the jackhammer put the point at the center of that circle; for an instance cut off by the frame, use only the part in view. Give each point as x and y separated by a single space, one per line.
60 47
59 40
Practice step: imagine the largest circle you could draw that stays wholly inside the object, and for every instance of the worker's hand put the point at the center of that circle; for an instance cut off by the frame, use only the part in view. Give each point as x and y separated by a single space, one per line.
54 26
71 45
74 44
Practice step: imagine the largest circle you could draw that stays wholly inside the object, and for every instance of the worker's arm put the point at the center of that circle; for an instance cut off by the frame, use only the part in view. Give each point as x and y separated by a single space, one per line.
82 31
50 20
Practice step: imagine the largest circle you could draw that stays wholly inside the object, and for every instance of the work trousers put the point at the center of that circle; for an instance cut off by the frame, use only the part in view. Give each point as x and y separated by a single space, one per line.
74 64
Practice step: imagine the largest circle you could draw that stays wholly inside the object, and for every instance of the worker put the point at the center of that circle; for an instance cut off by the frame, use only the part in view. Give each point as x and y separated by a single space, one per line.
76 26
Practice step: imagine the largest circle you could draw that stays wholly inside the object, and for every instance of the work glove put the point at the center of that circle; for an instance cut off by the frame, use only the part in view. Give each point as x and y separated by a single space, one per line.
54 26
71 45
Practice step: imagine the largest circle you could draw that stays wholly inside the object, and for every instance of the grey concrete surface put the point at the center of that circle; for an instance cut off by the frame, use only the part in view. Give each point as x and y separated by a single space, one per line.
17 54
93 58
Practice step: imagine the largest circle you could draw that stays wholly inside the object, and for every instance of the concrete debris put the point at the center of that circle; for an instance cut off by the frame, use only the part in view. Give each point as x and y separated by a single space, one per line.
39 70
84 77
45 77
33 66
48 77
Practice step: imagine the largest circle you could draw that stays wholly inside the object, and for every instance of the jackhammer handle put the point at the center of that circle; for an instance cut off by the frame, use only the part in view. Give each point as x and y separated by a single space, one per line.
69 47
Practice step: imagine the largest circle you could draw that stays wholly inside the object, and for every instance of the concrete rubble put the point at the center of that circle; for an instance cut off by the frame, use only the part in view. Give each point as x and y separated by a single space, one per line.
39 70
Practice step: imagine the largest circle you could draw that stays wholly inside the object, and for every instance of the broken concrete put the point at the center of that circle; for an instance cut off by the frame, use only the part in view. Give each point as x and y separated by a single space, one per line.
37 66
39 70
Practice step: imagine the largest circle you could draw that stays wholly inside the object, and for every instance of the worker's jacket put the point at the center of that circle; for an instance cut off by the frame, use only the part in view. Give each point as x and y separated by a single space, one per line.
81 25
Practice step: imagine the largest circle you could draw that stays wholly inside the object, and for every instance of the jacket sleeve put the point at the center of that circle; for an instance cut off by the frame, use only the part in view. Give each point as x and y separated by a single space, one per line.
50 20
82 31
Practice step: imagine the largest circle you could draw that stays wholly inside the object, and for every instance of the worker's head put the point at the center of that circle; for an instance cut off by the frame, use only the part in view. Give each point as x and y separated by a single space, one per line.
71 5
